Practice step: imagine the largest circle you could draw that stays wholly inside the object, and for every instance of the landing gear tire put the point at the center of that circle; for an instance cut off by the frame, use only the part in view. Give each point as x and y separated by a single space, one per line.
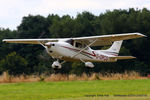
89 64
56 65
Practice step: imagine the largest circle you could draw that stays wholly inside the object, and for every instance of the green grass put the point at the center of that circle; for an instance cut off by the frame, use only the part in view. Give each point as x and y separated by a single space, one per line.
79 90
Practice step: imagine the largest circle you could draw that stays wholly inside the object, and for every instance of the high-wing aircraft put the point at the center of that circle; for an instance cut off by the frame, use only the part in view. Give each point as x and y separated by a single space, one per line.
78 49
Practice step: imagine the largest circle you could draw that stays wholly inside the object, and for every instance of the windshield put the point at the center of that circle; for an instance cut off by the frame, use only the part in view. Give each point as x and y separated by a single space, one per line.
71 41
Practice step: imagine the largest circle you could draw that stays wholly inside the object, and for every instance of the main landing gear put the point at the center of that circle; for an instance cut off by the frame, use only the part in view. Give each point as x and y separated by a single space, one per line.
88 64
57 65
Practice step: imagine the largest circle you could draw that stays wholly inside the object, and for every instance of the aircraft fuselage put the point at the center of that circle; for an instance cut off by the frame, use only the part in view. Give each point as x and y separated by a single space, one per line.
66 51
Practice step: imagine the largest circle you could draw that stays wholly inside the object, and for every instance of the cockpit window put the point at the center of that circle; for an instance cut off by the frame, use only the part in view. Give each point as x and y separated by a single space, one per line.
71 41
76 44
79 45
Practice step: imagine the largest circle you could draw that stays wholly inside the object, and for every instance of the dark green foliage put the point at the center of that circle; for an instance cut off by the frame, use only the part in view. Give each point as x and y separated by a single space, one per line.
77 68
14 64
84 24
6 48
33 27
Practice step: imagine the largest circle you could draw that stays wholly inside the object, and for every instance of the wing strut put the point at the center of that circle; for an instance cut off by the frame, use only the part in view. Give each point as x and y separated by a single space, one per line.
42 44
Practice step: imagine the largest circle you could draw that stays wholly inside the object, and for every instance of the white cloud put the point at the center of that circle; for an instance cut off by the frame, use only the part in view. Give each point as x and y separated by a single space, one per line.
12 11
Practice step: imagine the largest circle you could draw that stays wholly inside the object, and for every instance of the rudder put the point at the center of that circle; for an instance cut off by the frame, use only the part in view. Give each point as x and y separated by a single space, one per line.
115 46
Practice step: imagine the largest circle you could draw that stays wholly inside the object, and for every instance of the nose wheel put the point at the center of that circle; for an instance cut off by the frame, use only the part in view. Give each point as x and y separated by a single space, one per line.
56 65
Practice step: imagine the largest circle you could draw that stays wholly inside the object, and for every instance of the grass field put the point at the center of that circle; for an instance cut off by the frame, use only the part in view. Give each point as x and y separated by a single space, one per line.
78 90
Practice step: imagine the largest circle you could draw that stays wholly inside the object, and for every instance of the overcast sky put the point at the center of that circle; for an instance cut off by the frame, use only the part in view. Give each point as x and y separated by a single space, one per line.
12 11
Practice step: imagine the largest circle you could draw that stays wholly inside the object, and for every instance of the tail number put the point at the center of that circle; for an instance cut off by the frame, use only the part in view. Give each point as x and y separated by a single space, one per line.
101 57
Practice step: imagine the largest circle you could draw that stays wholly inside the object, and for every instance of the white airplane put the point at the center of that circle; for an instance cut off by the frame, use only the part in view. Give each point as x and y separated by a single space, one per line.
78 49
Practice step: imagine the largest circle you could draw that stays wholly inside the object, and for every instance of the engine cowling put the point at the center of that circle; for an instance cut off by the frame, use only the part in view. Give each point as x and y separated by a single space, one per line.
56 64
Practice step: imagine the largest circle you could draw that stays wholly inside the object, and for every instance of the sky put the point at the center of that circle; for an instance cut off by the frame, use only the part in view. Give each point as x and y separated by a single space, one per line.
12 11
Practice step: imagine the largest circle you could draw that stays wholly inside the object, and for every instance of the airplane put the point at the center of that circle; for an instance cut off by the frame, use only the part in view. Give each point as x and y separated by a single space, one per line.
79 48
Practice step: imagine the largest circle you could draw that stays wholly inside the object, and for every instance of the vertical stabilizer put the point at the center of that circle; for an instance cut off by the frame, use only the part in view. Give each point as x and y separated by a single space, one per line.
115 47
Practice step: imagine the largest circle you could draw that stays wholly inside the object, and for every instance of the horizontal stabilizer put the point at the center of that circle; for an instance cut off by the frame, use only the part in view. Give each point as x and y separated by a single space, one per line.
123 57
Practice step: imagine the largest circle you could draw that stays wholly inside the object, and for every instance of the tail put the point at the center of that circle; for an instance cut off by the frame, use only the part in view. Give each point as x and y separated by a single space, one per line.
115 48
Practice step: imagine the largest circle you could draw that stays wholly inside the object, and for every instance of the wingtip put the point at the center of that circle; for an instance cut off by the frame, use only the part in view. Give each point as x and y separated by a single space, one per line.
133 57
142 35
3 40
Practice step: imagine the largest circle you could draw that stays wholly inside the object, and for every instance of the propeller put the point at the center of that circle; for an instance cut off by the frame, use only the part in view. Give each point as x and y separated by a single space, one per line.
45 45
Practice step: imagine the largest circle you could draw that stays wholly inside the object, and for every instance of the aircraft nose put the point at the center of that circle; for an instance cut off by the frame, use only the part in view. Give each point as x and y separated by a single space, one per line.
49 45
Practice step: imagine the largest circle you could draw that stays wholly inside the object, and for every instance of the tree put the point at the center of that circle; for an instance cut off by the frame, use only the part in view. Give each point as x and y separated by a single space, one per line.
14 64
33 27
62 27
6 48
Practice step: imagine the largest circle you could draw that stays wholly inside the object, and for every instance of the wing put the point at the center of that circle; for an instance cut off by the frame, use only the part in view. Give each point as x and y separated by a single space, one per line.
123 57
107 39
100 40
30 41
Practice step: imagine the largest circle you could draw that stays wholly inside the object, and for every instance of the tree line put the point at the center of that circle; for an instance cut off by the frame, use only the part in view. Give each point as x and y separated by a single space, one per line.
32 59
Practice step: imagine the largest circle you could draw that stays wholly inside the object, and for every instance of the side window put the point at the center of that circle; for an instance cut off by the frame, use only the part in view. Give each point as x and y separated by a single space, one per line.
84 45
78 45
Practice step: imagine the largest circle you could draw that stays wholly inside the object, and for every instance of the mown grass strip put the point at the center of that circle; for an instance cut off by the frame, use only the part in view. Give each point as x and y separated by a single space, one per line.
73 89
